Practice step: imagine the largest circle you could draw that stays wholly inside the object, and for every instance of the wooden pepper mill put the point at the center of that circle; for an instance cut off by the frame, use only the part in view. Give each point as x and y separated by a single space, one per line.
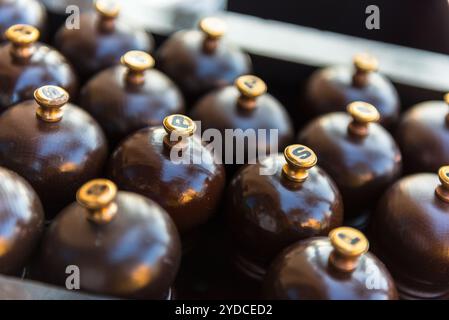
122 244
158 162
201 60
101 40
361 156
27 65
276 202
423 136
126 98
53 144
21 222
332 89
410 233
335 268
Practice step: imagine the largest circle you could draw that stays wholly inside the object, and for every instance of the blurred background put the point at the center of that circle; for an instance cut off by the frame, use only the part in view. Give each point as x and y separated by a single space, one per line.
422 24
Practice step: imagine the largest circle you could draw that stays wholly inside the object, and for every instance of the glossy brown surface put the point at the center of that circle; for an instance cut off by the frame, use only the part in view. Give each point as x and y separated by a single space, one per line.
136 255
91 50
21 222
302 272
189 192
362 167
182 58
410 233
220 110
56 158
266 213
331 89
45 67
122 108
13 12
423 136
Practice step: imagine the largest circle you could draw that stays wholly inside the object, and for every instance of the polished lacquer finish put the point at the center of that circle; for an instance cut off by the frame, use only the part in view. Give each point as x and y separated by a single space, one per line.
423 136
100 42
122 107
303 272
189 192
410 233
43 65
55 157
331 89
266 213
13 12
21 222
135 255
362 166
185 58
223 109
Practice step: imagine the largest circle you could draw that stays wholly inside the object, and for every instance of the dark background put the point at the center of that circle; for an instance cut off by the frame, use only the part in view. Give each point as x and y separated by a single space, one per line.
422 24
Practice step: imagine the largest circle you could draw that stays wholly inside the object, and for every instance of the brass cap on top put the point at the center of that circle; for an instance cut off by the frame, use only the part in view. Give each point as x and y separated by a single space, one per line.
22 34
177 126
299 159
107 8
137 61
349 244
365 62
251 86
98 196
51 99
213 27
442 190
362 114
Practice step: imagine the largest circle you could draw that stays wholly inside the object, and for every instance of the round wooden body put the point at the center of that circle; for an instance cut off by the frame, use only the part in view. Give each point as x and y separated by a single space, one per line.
423 136
362 167
20 78
135 255
331 89
56 158
410 233
302 272
21 222
182 58
91 50
30 12
189 192
122 108
220 110
266 213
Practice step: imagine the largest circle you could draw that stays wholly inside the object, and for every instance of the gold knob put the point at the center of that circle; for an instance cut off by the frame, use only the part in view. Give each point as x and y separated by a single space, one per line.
299 160
98 196
364 65
51 99
22 37
137 62
107 8
365 62
442 190
362 114
250 88
213 27
349 244
177 126
22 34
